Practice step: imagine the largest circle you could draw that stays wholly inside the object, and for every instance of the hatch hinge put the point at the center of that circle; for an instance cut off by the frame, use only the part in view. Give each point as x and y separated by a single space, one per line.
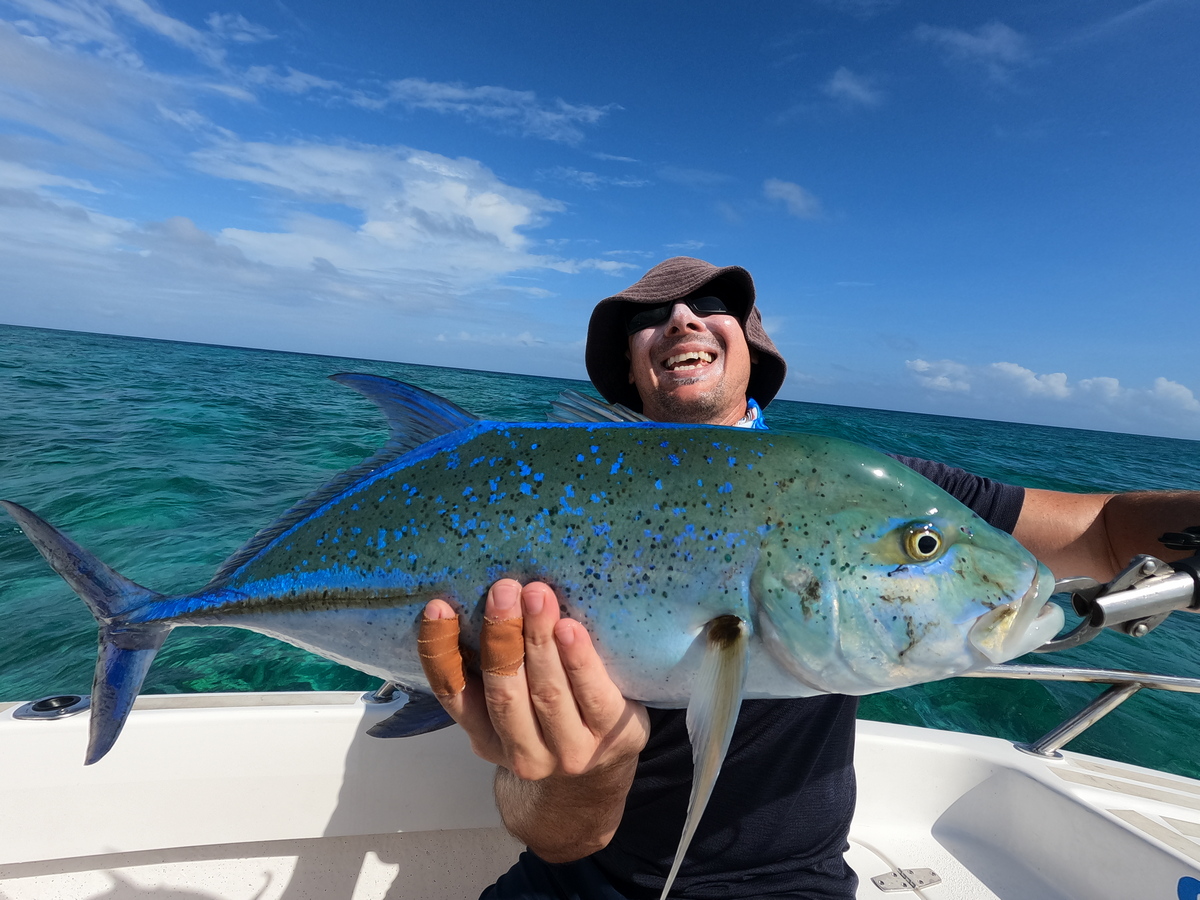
906 880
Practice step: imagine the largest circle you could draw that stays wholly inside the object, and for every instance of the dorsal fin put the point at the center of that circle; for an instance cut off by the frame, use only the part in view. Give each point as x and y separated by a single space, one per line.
573 407
414 417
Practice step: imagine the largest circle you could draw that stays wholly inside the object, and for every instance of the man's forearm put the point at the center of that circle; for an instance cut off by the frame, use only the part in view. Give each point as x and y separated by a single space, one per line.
565 817
1097 534
1136 520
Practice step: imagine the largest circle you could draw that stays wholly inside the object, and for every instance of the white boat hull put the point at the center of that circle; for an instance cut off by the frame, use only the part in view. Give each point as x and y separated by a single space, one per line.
283 797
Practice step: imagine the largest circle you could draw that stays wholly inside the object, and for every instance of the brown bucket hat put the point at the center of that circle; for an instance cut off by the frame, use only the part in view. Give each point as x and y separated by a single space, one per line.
674 279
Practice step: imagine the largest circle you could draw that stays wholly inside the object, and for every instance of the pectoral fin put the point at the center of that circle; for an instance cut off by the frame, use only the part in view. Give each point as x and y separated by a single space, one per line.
420 715
711 715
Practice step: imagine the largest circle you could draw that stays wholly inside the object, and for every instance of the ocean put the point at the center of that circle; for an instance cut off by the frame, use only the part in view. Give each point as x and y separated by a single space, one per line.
163 458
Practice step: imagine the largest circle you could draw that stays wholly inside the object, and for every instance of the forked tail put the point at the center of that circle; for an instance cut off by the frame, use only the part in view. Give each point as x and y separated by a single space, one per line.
126 649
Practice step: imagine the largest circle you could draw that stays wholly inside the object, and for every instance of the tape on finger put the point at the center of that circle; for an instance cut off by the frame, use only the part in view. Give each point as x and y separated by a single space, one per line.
502 646
437 645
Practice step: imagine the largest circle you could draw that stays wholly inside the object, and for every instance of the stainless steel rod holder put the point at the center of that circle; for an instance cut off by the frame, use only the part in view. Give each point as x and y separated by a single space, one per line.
1048 745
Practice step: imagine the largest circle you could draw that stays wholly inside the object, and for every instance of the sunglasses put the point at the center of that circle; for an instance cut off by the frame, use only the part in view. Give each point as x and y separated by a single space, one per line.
649 316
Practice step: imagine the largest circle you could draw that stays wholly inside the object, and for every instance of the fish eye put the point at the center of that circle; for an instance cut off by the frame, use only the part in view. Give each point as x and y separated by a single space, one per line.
923 542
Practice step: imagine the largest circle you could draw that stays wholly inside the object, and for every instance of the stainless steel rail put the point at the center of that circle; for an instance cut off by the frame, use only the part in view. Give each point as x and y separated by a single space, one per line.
1124 686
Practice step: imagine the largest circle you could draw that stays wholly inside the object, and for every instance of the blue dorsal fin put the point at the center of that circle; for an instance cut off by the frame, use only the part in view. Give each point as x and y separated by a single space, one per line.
573 407
414 417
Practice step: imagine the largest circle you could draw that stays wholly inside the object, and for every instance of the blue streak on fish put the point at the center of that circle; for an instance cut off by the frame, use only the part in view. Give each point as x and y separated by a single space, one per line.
850 572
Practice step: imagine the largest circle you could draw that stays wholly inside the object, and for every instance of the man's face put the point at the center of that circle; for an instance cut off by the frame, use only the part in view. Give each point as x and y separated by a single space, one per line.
691 368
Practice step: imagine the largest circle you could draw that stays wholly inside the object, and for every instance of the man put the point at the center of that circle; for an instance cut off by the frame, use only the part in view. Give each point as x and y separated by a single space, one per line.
595 784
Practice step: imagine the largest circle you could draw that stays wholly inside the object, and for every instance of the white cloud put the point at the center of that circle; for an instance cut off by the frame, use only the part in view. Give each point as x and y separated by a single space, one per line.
14 175
340 248
423 237
96 26
1128 18
940 375
591 180
519 111
1174 394
171 29
1027 381
850 89
798 201
81 25
290 81
237 28
417 210
1099 402
98 111
995 47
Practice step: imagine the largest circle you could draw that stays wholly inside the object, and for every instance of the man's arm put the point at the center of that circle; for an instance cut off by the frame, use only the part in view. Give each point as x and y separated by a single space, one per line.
1098 534
564 738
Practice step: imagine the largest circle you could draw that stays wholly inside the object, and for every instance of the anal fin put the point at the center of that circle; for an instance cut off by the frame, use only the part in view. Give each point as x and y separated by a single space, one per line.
420 715
711 716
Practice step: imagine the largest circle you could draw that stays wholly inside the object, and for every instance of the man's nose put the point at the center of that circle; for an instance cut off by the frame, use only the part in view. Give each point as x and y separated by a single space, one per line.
682 319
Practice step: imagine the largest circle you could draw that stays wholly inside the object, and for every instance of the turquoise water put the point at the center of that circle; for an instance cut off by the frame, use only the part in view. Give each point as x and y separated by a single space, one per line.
163 458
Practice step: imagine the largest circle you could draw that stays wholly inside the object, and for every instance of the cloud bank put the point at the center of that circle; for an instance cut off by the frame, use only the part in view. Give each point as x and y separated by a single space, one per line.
316 244
1096 402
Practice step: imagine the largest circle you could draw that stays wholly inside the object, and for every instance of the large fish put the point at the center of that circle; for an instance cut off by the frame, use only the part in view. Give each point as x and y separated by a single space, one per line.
709 564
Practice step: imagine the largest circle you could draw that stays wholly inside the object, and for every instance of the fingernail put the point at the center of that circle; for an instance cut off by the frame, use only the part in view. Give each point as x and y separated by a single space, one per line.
504 600
564 631
534 600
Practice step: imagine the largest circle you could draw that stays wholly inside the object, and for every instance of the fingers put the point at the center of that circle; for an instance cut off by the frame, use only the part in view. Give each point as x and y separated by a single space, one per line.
441 658
598 700
513 639
545 704
620 727
437 646
584 719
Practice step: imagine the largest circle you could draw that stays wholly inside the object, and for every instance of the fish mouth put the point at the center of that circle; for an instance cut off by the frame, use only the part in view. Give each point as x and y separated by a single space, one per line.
1021 626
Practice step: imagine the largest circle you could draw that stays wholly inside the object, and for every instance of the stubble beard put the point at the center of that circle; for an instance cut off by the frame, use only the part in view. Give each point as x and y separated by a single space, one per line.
696 410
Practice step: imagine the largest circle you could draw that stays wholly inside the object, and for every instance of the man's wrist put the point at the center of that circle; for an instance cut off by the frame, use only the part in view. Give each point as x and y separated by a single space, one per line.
546 814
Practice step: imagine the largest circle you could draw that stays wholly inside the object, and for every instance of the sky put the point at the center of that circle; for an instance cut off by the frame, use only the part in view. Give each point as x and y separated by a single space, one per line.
985 209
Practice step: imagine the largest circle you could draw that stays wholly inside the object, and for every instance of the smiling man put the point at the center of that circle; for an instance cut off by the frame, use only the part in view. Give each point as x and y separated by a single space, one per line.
595 784
706 359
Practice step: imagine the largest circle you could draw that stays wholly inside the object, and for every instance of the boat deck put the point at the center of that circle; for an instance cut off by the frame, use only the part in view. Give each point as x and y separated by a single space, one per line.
283 797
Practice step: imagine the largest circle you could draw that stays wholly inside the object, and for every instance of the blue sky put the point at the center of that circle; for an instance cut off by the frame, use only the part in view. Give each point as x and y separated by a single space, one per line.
985 209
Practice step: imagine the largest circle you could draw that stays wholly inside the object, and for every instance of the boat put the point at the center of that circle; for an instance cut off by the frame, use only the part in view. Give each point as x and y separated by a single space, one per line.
283 796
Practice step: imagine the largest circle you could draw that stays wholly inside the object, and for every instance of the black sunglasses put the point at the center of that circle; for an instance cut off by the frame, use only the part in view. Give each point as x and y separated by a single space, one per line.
649 316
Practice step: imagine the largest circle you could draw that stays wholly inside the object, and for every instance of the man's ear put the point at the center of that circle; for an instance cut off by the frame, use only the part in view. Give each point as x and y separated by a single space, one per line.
628 367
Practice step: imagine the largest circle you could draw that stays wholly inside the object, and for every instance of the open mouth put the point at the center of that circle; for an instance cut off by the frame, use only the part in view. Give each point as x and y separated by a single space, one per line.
684 362
1016 628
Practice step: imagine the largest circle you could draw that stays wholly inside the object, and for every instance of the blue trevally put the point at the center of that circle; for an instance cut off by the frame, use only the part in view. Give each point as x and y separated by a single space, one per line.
709 564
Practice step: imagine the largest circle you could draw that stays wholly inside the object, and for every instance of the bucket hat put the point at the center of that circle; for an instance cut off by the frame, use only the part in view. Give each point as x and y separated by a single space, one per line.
675 279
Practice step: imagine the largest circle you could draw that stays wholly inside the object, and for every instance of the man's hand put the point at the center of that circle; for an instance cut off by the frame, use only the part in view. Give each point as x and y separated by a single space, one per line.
562 733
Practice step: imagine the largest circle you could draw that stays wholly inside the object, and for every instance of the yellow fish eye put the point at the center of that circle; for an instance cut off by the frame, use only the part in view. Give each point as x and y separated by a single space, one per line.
923 542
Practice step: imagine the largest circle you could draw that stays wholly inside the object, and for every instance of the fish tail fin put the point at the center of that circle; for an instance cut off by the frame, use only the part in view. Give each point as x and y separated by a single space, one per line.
121 667
126 650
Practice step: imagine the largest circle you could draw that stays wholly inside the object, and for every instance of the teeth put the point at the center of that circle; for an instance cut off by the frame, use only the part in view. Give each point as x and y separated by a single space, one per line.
690 360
